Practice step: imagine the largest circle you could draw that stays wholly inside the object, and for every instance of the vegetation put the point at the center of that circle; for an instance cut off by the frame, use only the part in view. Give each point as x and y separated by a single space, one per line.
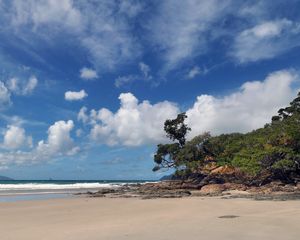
266 154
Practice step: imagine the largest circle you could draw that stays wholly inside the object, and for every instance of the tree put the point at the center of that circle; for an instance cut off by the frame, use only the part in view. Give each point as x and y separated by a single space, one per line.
166 154
284 113
262 155
176 129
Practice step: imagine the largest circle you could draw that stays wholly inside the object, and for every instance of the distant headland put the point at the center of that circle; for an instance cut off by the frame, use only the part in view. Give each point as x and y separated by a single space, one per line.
3 178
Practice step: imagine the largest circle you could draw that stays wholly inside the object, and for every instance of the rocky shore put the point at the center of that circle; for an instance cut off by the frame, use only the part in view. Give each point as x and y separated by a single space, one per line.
178 189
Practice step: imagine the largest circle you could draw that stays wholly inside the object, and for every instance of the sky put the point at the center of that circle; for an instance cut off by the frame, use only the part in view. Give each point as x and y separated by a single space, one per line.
85 86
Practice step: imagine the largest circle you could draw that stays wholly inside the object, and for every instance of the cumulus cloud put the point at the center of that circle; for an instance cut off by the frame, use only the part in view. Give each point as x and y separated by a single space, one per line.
15 137
249 108
59 141
136 123
58 144
88 74
266 40
133 124
75 96
19 87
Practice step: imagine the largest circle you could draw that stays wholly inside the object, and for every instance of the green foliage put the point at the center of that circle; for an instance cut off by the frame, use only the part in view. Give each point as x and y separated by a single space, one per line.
168 155
247 161
284 164
165 155
273 149
176 129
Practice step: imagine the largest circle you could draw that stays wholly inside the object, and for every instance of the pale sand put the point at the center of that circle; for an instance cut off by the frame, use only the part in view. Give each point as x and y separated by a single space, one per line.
158 219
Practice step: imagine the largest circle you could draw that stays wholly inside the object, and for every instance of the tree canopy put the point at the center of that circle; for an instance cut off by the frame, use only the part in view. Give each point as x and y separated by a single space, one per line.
271 152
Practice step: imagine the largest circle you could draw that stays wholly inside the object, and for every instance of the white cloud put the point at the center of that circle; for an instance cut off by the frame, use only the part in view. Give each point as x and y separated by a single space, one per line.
58 144
75 96
59 141
145 69
15 137
4 96
88 73
131 8
19 87
266 40
128 79
181 29
178 31
79 132
133 124
82 115
123 80
13 84
248 108
193 72
103 30
18 121
30 86
45 12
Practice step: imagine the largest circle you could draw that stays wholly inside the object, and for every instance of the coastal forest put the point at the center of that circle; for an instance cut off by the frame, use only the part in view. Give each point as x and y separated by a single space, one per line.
270 153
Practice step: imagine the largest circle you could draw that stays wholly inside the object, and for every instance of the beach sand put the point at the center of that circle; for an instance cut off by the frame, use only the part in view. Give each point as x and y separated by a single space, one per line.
155 219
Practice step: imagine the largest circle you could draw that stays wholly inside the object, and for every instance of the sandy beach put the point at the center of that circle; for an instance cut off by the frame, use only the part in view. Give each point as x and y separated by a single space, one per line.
112 219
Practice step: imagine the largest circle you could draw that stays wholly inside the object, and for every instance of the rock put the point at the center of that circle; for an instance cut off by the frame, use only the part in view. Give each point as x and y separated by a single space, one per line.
223 170
106 190
190 186
235 186
212 189
209 167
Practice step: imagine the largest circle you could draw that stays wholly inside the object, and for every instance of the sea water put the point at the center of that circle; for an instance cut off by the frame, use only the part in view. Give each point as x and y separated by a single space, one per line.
19 190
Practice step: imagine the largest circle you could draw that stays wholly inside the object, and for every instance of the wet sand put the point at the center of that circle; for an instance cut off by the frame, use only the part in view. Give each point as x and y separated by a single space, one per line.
156 219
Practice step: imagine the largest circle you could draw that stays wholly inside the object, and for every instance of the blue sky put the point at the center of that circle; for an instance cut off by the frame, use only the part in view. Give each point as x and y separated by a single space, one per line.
85 86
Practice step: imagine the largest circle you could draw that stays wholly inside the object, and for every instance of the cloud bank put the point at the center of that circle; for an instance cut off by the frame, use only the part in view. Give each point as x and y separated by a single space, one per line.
58 144
249 108
133 124
137 123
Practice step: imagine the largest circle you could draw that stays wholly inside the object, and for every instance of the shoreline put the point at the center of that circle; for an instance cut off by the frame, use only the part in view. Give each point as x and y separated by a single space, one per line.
177 189
163 189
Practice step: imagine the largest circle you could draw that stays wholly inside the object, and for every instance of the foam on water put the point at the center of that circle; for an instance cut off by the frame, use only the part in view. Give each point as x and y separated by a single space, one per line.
39 186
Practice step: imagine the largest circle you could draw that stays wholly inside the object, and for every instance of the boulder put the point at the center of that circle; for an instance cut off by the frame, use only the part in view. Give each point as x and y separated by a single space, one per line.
212 189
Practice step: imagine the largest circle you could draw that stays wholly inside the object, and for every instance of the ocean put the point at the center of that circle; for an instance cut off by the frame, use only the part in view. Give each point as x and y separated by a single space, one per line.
20 190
